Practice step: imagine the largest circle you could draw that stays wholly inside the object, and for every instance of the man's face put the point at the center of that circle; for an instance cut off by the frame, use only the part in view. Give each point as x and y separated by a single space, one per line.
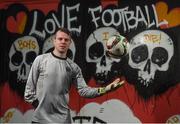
62 42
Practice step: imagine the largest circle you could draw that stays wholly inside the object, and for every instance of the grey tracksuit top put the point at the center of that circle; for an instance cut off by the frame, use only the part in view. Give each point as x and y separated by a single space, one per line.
49 82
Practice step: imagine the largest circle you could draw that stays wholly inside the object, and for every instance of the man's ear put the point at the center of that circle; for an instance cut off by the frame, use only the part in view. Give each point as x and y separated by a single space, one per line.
53 41
53 38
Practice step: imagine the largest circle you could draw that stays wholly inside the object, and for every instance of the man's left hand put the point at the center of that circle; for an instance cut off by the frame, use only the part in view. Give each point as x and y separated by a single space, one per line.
111 87
114 85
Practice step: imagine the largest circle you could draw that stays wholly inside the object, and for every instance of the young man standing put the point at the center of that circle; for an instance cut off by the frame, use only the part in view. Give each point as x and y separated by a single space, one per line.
50 79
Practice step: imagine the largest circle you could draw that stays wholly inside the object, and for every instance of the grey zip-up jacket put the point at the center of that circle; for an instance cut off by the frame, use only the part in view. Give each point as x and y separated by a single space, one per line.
49 81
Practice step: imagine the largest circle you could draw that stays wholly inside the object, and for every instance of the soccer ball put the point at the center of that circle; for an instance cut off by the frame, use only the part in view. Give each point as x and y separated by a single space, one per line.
117 46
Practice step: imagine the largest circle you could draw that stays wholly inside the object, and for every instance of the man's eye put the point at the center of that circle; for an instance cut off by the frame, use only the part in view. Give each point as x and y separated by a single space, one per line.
67 40
60 38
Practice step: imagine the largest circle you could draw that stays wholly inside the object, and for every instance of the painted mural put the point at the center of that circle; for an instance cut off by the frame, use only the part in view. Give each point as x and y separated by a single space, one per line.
151 70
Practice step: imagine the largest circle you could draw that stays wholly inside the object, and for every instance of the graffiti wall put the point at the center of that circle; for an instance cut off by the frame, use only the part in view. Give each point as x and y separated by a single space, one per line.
151 70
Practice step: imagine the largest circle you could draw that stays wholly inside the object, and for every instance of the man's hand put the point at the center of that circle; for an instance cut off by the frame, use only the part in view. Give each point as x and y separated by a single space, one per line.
112 86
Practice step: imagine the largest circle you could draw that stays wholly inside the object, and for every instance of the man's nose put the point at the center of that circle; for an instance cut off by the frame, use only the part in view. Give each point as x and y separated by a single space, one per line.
63 41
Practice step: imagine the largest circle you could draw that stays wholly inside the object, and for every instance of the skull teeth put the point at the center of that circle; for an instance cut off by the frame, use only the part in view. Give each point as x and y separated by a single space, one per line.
145 82
21 80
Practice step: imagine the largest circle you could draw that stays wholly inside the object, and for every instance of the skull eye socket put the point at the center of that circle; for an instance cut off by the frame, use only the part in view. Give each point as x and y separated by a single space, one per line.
17 58
50 50
30 56
96 50
159 56
139 54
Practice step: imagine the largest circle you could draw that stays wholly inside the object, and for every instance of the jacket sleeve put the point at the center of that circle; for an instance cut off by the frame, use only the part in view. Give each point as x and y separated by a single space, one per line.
83 89
30 89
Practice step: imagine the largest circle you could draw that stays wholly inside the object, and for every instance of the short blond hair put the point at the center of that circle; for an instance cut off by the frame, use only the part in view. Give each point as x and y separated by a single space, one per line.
62 29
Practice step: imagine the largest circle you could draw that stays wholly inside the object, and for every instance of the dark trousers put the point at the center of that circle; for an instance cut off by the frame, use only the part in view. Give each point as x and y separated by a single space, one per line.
34 122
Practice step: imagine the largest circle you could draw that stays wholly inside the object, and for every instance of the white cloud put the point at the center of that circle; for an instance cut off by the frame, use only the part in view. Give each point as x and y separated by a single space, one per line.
13 115
111 111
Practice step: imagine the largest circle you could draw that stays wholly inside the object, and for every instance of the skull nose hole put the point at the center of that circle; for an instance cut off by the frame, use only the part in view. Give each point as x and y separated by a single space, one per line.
23 69
103 61
147 66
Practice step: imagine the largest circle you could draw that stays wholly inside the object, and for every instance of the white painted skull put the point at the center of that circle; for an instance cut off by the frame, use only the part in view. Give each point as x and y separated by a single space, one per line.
48 46
96 50
22 54
150 51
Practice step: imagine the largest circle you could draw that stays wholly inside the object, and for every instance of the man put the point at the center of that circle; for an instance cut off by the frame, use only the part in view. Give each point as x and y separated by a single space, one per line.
49 81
